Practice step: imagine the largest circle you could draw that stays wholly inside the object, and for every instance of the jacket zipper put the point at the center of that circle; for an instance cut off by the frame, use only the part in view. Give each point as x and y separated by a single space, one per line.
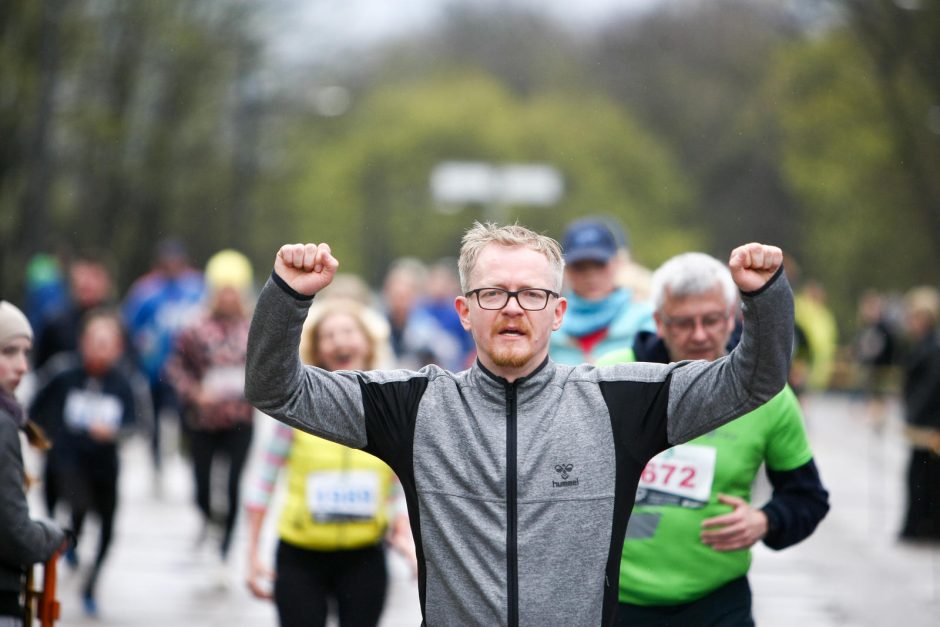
512 557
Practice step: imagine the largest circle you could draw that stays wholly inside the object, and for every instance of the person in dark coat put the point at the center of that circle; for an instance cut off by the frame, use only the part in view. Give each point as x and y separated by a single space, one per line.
922 415
87 407
23 541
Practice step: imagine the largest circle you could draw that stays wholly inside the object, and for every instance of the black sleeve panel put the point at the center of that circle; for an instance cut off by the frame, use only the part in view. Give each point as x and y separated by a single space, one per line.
798 503
638 422
638 415
391 411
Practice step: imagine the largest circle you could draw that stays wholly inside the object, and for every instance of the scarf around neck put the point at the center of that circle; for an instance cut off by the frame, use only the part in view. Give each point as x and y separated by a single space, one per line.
9 405
587 316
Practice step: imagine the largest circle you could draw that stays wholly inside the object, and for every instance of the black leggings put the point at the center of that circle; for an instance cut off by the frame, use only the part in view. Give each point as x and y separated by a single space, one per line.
922 521
234 444
307 581
728 606
90 484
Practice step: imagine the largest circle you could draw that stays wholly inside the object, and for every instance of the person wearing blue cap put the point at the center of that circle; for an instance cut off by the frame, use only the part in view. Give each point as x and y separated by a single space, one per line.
602 316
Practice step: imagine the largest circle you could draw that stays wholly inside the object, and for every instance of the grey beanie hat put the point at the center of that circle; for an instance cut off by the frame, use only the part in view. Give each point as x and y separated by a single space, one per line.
13 323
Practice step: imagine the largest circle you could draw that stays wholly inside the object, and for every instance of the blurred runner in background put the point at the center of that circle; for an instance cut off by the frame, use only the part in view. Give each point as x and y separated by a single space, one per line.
91 285
207 368
922 414
157 306
601 316
46 290
876 355
87 407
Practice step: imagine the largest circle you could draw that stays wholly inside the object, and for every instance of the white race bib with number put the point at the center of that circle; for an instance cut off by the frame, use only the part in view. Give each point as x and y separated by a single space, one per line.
343 496
681 476
225 382
84 408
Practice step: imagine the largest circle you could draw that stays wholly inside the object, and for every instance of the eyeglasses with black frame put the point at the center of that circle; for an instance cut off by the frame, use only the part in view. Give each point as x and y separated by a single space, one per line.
530 299
711 322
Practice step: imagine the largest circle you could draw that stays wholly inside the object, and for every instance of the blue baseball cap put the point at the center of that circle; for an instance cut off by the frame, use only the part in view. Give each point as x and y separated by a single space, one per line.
589 240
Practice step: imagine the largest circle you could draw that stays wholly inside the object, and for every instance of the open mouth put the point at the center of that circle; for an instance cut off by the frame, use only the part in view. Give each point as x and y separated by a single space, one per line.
343 361
512 332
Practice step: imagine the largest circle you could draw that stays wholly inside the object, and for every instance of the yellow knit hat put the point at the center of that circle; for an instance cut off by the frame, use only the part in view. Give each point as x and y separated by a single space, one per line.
229 268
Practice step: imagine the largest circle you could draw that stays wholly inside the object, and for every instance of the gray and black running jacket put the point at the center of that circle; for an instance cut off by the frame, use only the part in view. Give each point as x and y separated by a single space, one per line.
519 493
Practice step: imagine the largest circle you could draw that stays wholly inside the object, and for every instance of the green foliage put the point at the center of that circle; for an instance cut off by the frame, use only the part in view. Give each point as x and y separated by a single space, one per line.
136 140
690 72
860 222
697 128
366 191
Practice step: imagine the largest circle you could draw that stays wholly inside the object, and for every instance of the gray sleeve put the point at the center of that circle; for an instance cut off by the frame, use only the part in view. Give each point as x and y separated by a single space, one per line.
704 395
325 404
25 541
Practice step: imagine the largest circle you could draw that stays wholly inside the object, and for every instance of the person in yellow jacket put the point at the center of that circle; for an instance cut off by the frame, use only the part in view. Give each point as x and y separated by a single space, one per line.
816 339
339 505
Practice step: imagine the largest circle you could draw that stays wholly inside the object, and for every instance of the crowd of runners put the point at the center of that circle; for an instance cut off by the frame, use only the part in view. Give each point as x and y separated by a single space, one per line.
548 432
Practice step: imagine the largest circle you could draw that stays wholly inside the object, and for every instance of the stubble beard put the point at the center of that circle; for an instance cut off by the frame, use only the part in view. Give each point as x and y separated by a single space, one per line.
513 356
509 358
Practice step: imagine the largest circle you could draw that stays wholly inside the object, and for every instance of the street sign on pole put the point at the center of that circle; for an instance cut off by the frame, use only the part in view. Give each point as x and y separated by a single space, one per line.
529 184
457 183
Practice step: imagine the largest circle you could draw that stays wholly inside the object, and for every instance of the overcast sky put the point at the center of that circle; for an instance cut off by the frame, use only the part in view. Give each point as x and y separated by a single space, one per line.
320 28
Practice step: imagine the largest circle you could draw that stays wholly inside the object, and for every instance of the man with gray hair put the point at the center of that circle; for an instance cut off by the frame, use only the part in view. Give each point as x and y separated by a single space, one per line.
687 549
519 473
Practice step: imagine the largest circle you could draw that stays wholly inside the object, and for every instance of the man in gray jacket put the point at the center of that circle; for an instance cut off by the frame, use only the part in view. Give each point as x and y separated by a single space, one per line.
519 473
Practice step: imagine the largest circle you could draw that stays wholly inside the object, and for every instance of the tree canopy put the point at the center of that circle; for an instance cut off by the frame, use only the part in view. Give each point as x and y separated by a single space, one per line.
698 124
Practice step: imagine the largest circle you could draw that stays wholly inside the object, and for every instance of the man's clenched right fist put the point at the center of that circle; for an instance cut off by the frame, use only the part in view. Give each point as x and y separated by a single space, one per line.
306 268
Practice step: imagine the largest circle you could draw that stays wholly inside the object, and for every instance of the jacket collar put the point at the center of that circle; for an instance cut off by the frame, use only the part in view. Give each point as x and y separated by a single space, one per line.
495 385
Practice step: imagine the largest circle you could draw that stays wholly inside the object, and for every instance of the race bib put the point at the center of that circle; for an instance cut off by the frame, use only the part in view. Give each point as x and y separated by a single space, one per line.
343 496
681 476
174 316
225 382
84 408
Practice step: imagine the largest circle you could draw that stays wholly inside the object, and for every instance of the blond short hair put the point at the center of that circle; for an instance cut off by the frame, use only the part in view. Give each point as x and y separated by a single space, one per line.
481 235
923 300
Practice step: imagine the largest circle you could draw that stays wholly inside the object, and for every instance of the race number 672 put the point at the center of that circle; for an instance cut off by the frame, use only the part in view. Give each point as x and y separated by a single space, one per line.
668 475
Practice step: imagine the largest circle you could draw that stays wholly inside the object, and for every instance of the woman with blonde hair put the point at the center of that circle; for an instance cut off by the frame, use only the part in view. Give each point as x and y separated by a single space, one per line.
340 503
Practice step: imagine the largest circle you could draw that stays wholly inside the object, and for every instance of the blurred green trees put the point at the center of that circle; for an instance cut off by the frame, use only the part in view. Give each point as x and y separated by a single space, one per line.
699 125
121 123
366 190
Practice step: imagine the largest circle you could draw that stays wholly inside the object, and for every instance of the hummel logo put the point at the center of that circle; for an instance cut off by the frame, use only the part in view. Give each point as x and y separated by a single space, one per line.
565 471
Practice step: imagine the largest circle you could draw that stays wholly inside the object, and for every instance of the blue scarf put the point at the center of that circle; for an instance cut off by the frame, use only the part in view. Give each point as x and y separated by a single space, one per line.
587 316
